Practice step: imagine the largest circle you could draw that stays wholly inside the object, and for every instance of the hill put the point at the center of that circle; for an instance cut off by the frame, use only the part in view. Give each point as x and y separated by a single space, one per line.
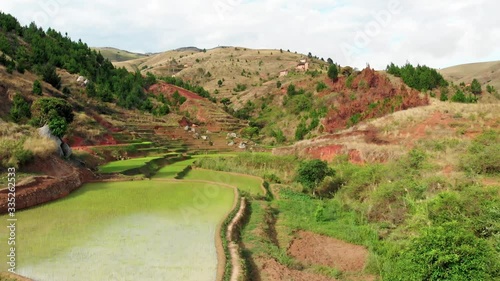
117 55
487 73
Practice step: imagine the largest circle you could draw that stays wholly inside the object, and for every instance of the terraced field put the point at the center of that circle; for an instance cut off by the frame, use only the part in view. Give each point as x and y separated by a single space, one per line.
124 165
252 185
146 230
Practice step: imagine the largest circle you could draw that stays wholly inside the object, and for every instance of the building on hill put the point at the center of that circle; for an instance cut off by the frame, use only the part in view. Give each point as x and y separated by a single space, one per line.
283 73
303 65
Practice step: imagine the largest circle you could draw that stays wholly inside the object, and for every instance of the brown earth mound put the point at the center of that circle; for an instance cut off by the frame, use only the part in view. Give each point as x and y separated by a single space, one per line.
312 248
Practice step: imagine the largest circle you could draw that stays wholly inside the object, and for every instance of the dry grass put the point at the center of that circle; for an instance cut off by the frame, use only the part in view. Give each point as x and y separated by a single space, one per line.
40 146
258 69
485 72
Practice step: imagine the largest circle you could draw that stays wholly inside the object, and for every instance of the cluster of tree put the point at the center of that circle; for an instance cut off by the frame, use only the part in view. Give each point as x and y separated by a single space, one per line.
422 78
46 51
462 97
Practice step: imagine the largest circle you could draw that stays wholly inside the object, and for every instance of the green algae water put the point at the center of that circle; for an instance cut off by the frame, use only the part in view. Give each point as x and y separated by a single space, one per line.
144 230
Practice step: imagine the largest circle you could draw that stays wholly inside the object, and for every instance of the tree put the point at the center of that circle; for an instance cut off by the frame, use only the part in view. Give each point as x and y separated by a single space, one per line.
37 88
278 84
333 72
50 76
309 55
219 83
47 109
330 61
301 131
20 109
225 101
311 173
58 126
476 87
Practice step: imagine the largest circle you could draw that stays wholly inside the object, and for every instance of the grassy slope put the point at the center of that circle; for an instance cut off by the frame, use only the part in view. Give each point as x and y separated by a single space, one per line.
485 72
261 68
117 55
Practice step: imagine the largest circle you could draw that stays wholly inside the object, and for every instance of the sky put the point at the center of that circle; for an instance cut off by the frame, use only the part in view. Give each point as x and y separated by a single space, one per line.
437 33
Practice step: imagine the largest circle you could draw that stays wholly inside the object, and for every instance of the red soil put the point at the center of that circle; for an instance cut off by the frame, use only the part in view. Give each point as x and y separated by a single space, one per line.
325 153
374 96
165 88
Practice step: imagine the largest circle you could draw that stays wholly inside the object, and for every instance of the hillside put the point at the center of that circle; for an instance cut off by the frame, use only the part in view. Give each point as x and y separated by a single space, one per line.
231 65
488 73
117 55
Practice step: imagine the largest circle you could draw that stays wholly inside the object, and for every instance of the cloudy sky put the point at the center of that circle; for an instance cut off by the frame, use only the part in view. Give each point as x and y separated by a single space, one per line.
438 33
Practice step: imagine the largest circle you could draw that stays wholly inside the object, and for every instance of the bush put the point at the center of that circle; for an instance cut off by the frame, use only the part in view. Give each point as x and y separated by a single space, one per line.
301 131
446 252
321 86
483 156
333 72
329 186
20 109
270 177
58 126
476 87
46 109
311 173
37 88
279 136
240 88
348 81
50 76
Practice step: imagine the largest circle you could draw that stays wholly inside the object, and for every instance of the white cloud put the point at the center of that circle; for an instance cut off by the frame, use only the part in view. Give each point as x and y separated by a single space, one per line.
436 33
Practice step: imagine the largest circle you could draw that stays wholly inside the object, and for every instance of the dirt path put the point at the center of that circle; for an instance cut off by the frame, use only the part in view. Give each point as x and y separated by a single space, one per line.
232 244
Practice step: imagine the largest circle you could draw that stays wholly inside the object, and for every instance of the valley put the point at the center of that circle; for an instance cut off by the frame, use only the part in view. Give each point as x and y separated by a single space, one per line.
238 164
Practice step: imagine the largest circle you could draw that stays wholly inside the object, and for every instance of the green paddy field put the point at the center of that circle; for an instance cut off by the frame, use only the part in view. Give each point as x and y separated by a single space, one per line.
143 230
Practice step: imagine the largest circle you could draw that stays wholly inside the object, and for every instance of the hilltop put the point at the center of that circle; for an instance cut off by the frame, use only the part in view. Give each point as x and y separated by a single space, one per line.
117 55
487 73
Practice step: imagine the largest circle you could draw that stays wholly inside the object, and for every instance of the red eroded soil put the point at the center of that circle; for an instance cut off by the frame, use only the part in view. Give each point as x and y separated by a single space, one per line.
312 248
376 96
61 178
325 153
165 88
355 157
274 271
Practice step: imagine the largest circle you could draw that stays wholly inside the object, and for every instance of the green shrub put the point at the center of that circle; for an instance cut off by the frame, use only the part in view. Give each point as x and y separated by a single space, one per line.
20 109
446 252
321 86
311 173
348 81
37 88
483 156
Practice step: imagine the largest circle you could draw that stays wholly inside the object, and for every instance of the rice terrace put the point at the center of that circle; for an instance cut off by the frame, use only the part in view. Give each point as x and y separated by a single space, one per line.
245 163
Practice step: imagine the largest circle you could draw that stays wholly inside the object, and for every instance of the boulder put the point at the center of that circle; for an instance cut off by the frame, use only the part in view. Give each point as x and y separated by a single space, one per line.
63 149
